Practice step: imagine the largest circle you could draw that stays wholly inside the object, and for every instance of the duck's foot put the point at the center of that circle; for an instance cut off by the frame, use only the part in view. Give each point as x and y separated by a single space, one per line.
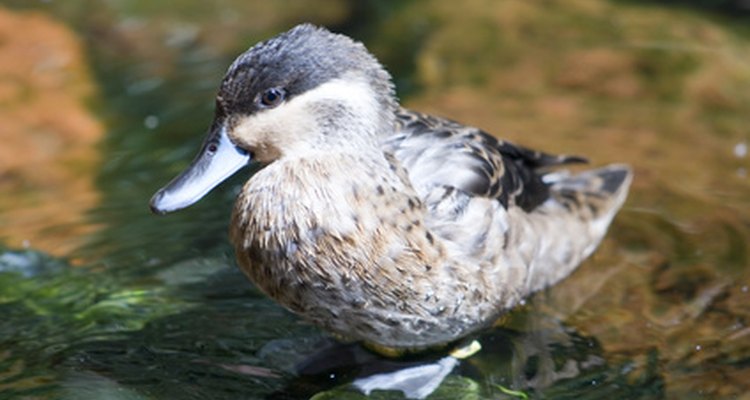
466 351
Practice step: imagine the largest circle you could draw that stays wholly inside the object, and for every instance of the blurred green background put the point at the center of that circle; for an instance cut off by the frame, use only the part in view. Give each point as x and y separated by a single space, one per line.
103 101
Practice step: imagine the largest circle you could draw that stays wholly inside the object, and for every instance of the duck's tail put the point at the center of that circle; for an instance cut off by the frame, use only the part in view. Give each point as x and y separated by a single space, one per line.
572 222
594 196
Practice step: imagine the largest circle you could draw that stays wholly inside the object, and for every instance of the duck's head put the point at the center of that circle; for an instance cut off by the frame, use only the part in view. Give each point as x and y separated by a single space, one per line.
306 90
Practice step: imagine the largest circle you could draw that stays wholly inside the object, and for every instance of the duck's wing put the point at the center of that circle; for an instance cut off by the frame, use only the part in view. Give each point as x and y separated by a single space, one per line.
441 152
497 207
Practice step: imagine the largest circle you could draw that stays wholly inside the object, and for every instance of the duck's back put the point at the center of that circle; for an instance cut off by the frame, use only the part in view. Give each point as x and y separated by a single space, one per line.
499 205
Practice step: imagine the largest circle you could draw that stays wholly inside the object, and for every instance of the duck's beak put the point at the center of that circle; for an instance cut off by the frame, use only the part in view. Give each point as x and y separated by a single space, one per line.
218 159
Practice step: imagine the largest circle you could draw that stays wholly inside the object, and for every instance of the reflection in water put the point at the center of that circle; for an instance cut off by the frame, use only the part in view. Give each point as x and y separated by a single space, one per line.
158 310
415 382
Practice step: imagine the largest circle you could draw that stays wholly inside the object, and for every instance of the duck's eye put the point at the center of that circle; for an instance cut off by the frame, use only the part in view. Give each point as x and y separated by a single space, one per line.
272 97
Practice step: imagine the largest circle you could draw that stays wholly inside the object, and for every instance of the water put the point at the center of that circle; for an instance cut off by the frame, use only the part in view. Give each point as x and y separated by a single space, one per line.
104 101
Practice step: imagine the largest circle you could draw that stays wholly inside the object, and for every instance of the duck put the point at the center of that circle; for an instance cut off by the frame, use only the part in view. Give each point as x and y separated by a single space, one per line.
377 223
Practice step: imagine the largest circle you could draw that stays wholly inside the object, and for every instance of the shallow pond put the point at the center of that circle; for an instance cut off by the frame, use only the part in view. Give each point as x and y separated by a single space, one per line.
104 101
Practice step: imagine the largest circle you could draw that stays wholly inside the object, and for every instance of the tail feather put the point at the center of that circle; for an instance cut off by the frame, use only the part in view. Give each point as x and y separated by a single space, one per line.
572 222
595 193
615 177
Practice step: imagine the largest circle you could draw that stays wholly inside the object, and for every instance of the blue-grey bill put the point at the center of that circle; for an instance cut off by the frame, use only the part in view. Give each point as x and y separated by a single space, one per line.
218 160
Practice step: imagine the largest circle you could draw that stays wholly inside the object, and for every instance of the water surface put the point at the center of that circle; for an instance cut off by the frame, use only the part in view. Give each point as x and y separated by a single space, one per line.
104 101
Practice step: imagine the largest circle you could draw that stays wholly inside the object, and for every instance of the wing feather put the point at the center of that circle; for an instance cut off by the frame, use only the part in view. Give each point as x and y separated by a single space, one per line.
441 152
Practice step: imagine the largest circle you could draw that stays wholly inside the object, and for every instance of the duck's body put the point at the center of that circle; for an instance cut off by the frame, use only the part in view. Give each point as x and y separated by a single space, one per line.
378 223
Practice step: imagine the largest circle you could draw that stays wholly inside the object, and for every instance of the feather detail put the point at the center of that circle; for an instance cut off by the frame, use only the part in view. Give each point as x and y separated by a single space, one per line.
441 152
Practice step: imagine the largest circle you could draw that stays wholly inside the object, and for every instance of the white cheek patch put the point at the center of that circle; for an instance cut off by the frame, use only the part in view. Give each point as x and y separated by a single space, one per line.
353 93
295 124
